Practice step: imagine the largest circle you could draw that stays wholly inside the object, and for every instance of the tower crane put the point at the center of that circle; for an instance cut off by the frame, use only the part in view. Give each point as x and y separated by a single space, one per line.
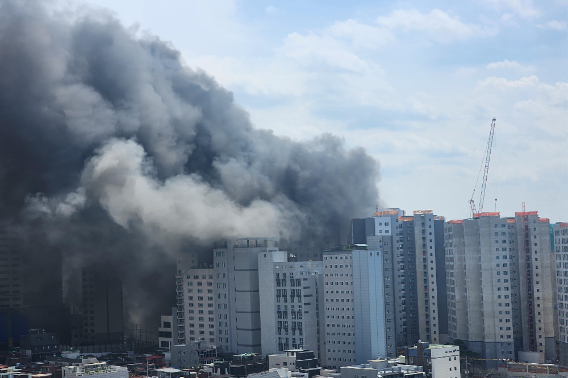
486 159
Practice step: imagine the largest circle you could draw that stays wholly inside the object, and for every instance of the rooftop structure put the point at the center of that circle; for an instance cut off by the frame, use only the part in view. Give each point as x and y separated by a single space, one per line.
95 369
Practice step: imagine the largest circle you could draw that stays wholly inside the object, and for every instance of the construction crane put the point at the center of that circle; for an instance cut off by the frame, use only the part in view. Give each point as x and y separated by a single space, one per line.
485 161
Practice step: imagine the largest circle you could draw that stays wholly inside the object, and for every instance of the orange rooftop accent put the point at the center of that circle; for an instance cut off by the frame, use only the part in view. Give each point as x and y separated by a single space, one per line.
486 214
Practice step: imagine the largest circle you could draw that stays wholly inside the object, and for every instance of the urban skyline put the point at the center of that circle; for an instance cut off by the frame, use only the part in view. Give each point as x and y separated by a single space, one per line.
228 205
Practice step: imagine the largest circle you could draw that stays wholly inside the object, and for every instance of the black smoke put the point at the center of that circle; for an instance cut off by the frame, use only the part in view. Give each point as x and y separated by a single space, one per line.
111 149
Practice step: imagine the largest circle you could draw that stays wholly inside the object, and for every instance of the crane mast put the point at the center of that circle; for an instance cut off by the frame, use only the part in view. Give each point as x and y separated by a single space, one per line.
486 159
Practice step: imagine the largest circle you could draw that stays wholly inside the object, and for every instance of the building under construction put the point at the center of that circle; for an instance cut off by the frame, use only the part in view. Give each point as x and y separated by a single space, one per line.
501 285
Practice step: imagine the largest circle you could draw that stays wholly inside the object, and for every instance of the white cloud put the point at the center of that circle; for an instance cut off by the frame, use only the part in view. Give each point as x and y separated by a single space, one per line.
553 25
523 8
361 35
510 65
271 9
438 25
314 48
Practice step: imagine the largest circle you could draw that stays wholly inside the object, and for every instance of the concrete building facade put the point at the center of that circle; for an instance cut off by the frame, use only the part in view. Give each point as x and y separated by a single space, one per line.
417 262
560 239
10 271
357 326
499 283
237 303
196 294
288 303
438 361
167 332
103 319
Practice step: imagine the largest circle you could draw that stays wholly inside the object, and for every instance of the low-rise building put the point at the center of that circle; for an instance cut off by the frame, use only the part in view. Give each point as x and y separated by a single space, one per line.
438 361
40 344
382 368
95 369
167 332
192 354
295 360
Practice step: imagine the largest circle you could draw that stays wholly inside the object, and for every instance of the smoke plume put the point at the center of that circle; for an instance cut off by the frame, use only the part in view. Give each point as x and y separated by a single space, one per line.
112 150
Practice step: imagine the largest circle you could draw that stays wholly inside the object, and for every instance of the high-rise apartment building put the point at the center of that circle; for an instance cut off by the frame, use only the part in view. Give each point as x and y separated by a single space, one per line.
237 303
197 297
428 291
288 303
102 306
560 240
10 271
500 286
418 273
355 326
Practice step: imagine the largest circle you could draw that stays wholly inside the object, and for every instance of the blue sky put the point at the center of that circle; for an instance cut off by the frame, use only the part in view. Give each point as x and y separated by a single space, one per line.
415 83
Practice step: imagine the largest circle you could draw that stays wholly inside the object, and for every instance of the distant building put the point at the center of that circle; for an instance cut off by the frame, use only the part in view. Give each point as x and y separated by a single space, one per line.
196 295
438 361
102 306
500 284
192 354
355 327
295 360
10 271
560 240
237 303
40 344
418 291
382 369
288 303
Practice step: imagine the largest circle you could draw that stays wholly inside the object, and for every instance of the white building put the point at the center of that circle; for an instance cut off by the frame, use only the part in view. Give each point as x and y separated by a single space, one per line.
237 302
288 303
93 368
560 240
196 296
382 369
353 305
438 361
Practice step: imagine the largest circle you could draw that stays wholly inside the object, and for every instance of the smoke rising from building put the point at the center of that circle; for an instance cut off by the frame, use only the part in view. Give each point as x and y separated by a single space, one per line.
111 149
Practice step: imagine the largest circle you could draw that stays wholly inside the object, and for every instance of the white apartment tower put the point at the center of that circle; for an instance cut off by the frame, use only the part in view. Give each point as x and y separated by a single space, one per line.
426 275
337 326
352 299
560 239
237 302
500 290
288 303
196 296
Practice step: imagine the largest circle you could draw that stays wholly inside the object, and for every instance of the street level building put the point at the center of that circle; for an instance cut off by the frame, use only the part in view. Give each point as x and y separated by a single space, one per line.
438 361
95 369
